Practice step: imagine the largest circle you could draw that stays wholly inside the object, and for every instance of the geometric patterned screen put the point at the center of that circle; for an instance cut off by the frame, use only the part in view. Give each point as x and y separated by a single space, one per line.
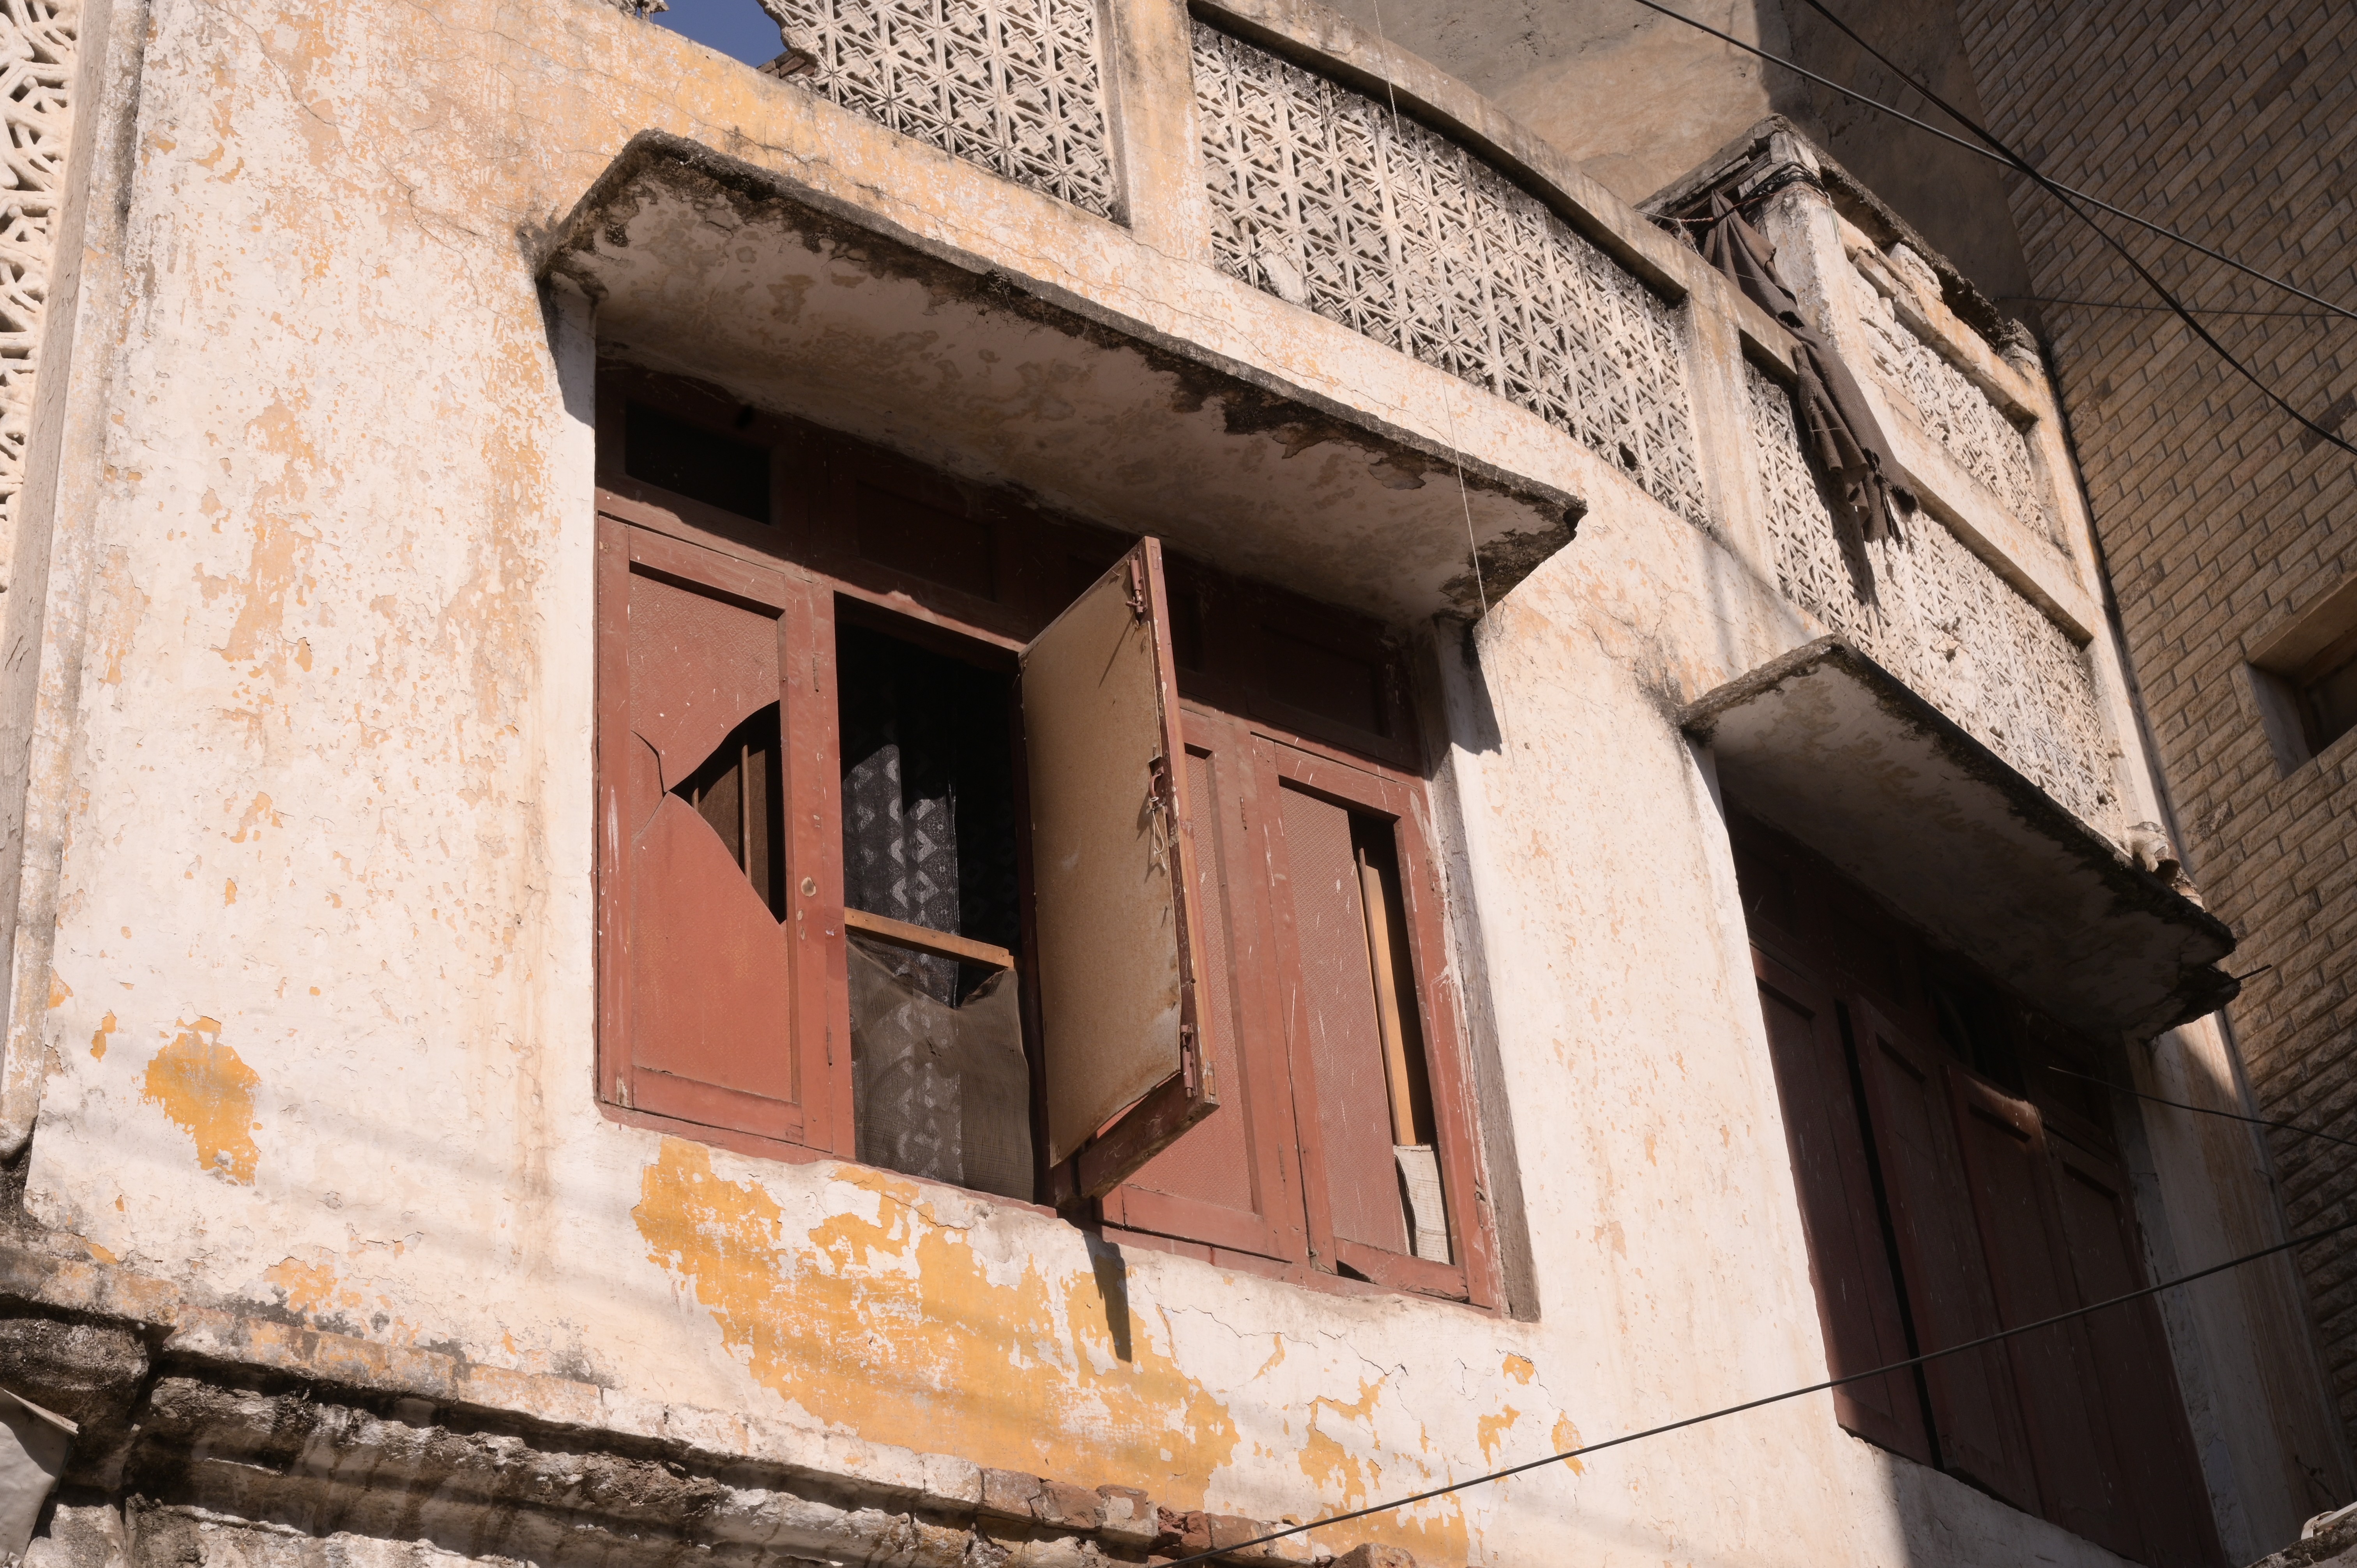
1013 85
1942 620
1958 414
1322 197
37 65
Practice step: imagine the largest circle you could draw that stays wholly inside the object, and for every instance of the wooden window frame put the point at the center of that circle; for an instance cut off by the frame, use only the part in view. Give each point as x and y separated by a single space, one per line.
1270 742
1973 1174
1368 788
1231 834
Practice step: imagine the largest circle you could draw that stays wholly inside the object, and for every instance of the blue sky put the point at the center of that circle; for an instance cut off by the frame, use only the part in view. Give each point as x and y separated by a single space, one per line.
737 27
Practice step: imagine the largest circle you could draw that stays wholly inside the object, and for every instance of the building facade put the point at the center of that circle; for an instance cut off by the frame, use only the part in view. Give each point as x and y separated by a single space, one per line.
2224 522
1063 783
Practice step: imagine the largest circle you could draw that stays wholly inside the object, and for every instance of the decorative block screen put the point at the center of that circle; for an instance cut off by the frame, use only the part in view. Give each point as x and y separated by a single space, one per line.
1320 196
1943 621
1013 85
37 65
1958 416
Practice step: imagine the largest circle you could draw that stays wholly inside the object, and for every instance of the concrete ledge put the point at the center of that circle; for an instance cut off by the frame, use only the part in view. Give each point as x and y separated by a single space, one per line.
238 1412
1829 746
711 267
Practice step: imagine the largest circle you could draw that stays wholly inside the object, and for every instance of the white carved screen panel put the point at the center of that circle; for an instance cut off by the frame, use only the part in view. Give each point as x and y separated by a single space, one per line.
1957 415
37 62
1013 85
1945 621
1321 197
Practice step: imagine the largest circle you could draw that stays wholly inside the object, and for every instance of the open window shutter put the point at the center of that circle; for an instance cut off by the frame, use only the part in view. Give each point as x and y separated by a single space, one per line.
2006 1169
1974 1409
1112 857
1857 1298
2156 1472
1224 1182
695 962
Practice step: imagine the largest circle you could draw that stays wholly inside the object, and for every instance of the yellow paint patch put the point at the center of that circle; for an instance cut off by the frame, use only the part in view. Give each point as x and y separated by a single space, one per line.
98 1036
1433 1531
311 1289
1566 1438
1520 1369
257 816
1490 1431
229 892
209 1093
894 1328
59 991
271 581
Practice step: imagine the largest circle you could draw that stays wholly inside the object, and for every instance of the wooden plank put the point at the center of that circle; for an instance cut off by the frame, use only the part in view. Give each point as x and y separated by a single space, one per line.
1387 1008
924 939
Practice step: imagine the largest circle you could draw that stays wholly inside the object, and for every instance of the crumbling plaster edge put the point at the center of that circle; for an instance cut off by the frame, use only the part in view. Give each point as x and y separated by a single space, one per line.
844 1489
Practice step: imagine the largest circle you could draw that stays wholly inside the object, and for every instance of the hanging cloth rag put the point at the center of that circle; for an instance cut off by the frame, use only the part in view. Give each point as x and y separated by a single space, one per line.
1843 435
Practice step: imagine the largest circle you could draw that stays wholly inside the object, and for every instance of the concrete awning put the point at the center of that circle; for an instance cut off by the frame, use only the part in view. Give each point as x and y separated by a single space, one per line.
706 266
1830 748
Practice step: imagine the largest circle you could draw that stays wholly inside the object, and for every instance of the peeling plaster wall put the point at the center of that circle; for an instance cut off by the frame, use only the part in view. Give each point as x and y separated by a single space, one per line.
317 1046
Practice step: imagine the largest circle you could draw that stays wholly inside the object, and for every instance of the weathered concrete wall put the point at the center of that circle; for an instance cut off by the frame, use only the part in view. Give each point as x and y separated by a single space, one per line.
315 1062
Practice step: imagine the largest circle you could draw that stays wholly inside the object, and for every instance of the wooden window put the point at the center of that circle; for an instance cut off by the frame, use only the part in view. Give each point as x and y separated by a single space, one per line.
1950 1187
995 849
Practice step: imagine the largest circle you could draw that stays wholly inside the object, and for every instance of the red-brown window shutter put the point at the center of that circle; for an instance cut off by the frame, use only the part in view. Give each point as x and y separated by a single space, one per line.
1224 1182
699 1015
1112 855
2006 1170
1858 1299
1977 1418
2159 1476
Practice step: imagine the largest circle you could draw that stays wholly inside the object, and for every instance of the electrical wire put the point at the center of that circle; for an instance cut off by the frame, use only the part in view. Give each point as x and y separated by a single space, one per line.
2012 163
1986 1340
2203 1109
2199 309
2322 433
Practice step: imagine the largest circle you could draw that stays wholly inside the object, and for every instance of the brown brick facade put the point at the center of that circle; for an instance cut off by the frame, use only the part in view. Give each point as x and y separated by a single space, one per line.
2220 516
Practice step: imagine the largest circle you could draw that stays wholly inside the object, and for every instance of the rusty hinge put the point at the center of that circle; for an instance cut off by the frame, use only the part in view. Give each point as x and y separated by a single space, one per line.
1137 605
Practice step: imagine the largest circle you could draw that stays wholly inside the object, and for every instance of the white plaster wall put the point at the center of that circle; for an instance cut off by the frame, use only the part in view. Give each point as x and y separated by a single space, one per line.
320 1035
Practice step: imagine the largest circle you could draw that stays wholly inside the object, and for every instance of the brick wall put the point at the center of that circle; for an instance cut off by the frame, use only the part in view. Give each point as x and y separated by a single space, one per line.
2237 125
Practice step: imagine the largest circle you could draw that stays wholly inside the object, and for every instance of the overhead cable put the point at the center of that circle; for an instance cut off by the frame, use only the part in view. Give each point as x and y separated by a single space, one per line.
1986 1340
2325 315
2321 432
1978 151
2203 1109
